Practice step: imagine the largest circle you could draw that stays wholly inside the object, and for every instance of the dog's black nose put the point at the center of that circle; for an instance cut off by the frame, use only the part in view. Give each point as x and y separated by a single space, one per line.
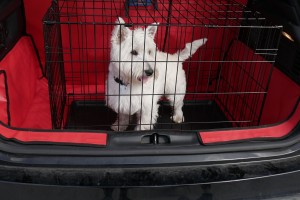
149 72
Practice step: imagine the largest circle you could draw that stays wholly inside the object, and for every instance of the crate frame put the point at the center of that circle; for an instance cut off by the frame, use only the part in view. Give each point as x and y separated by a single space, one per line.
249 27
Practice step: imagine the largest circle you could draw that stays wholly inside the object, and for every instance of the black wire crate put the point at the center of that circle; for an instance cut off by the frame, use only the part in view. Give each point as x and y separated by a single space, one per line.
93 46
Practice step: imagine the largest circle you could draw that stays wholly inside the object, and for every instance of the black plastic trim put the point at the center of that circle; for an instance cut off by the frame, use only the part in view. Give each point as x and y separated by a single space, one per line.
282 186
142 176
126 152
162 155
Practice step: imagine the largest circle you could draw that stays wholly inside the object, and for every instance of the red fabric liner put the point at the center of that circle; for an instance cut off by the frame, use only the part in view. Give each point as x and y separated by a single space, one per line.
38 114
3 99
22 71
28 93
281 99
29 101
87 138
275 131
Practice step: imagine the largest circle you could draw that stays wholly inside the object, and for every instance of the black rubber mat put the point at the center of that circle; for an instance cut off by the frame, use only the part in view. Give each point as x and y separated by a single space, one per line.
94 115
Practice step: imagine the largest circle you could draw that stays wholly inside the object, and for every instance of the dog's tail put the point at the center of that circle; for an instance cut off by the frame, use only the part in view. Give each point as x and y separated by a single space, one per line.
191 48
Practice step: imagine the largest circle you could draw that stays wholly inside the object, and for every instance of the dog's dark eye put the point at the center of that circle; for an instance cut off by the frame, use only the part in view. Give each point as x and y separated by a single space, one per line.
134 52
149 52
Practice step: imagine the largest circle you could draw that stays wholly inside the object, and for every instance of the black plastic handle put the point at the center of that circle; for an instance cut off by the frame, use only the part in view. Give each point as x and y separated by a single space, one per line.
150 138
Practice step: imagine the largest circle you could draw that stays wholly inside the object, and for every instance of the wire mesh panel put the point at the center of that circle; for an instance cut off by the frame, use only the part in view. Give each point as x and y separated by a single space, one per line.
111 64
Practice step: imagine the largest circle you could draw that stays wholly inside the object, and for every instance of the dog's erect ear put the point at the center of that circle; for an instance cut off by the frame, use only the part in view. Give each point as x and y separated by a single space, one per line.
151 29
120 32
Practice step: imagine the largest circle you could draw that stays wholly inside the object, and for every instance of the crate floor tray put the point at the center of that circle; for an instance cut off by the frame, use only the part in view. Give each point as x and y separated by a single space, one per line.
94 115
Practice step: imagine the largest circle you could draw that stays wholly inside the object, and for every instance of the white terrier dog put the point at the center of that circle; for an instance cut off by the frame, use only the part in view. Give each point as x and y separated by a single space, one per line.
140 74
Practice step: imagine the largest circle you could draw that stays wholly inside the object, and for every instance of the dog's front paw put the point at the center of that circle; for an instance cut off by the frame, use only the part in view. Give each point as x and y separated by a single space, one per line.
177 118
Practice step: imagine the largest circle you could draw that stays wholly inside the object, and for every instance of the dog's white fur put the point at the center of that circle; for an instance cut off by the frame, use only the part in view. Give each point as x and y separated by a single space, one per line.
141 93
